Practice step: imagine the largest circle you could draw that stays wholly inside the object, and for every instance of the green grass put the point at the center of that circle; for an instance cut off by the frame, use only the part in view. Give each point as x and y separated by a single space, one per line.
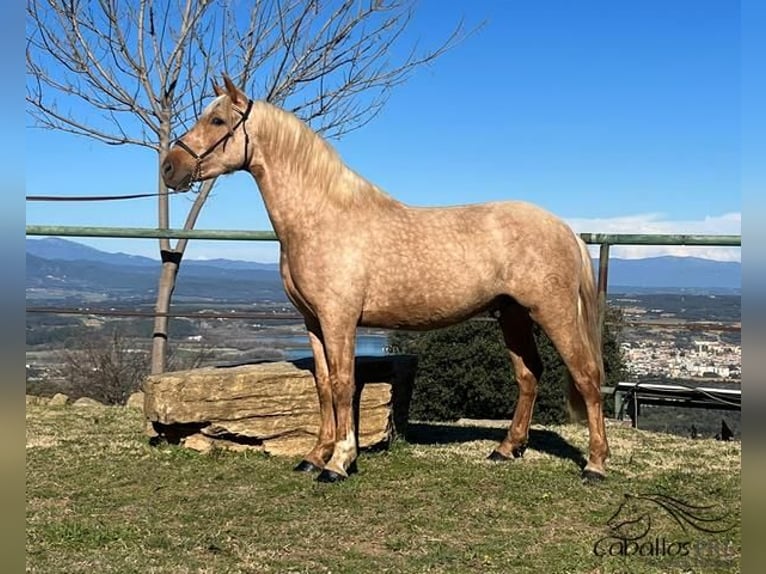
100 499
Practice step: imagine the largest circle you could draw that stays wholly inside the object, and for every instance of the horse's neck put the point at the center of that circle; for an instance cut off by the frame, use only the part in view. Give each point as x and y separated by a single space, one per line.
290 206
305 185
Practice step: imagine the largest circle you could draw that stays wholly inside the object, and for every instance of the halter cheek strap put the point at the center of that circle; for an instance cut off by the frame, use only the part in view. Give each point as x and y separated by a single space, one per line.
199 157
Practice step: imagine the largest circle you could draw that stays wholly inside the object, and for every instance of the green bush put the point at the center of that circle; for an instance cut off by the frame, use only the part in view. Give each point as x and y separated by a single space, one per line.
464 371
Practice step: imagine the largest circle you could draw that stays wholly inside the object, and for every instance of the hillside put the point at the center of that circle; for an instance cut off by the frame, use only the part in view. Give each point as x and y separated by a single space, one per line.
95 279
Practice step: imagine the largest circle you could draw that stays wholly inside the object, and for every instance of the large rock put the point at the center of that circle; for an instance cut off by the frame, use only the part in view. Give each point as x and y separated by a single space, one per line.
59 400
273 406
135 401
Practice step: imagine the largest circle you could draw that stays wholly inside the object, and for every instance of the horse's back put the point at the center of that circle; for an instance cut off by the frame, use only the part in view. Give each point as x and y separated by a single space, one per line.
484 237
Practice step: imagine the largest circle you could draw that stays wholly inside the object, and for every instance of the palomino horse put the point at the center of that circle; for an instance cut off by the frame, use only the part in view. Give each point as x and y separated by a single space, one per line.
351 255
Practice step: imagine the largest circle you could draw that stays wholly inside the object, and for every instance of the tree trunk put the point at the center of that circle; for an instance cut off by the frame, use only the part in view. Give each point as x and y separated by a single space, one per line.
164 295
171 261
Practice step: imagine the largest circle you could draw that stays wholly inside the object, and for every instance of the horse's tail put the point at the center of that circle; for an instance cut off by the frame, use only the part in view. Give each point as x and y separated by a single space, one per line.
590 331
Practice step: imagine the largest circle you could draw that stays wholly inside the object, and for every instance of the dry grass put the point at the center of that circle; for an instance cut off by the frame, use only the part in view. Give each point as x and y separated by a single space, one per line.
100 499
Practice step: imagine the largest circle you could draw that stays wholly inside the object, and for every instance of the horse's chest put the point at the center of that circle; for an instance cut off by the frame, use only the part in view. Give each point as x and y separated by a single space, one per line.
311 279
291 288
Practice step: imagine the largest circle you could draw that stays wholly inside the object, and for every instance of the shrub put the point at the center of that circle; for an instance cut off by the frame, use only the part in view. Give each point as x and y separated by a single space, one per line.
464 371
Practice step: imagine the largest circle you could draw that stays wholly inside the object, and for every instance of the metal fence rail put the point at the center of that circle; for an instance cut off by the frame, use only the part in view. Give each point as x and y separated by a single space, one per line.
251 235
630 396
149 233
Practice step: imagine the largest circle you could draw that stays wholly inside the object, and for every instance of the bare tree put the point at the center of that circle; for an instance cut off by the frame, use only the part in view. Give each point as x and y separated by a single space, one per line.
104 368
109 367
142 64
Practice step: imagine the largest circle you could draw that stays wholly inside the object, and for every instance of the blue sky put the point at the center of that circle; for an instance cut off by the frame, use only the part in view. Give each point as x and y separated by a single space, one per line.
617 116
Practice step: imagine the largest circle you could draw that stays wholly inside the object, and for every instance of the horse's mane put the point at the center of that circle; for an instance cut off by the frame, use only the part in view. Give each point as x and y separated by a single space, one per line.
315 159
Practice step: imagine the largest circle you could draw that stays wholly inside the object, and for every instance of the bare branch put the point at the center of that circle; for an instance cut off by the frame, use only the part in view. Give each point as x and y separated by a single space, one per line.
194 211
143 62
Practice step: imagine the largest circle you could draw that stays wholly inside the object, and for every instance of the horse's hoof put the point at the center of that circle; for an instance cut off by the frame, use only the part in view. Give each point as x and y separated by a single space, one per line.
330 476
306 466
592 477
497 456
518 452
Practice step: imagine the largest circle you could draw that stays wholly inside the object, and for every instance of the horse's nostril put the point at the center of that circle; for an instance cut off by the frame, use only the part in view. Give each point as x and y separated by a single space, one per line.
167 167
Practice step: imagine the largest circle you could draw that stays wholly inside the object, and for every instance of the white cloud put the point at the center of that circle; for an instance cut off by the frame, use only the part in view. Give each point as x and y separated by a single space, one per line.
726 224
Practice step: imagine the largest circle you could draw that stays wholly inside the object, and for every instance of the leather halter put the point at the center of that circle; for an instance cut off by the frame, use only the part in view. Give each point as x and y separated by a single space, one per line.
199 157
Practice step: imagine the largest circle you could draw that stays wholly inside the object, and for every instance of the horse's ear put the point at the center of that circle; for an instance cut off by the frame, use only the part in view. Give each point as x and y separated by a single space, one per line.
238 98
217 89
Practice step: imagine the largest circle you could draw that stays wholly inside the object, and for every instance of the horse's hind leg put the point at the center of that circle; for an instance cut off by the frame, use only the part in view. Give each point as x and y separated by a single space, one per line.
562 325
528 368
316 458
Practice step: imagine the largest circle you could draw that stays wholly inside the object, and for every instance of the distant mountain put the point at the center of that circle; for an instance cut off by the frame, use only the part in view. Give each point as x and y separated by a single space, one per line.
58 268
232 264
64 250
674 273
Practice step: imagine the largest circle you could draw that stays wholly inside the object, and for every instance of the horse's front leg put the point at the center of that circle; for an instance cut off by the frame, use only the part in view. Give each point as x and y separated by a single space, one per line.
339 349
316 458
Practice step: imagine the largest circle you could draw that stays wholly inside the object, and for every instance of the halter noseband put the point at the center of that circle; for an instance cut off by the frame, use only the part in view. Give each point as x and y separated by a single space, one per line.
199 157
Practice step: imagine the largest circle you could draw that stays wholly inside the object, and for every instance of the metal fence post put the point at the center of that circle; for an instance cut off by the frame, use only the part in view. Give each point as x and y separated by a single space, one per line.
603 270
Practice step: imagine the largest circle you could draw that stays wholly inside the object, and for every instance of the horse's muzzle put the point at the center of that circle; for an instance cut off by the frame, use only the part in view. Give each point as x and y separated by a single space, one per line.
177 172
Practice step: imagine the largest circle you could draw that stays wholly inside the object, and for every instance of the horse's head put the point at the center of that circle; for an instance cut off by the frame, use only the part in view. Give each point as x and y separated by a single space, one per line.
217 144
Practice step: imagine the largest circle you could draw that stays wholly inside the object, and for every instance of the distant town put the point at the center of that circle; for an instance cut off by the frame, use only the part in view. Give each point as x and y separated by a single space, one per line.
707 359
682 337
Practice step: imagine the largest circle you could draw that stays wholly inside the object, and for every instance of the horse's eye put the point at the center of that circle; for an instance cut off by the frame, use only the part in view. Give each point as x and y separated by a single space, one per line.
217 122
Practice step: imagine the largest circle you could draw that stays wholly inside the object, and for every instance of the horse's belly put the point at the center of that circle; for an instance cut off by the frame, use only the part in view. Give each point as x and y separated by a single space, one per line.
421 313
